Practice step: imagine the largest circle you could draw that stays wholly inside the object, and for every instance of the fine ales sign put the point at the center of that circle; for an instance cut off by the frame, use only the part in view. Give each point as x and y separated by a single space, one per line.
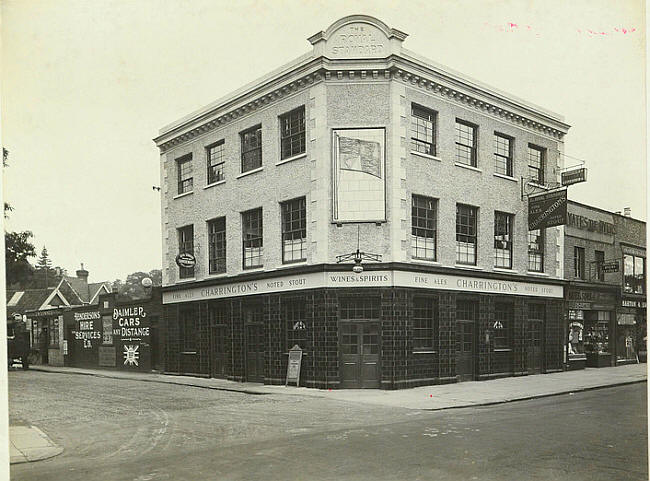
547 210
574 176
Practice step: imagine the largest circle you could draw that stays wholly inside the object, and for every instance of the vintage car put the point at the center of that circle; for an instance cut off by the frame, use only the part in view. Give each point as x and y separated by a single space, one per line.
17 343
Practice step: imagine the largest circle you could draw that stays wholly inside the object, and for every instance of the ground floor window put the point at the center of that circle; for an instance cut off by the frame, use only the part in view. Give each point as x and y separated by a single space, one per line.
503 324
187 328
596 336
296 323
53 333
425 325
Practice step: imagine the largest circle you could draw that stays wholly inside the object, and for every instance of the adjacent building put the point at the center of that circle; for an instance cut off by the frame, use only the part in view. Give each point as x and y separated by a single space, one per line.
361 150
606 290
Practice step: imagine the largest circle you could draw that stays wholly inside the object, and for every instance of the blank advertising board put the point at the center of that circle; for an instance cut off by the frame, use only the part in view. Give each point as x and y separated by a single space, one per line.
293 367
547 210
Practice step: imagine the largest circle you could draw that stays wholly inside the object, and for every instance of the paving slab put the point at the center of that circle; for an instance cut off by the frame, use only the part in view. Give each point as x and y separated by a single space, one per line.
28 443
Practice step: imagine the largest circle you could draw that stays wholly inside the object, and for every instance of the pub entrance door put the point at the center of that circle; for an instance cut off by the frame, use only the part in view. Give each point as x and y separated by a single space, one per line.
218 344
254 342
466 316
359 351
535 351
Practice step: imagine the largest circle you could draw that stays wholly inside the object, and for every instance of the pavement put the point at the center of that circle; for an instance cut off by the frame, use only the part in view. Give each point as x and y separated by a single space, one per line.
28 443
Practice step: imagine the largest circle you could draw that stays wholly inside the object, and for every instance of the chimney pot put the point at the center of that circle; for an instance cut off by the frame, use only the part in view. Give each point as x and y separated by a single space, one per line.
627 212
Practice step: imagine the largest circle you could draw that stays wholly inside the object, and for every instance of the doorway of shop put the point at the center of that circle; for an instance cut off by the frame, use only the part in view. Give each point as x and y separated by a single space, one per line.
359 348
254 342
535 341
466 315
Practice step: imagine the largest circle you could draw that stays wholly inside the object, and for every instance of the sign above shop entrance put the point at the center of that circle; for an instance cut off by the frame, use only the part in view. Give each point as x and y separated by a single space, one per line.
574 176
609 267
384 278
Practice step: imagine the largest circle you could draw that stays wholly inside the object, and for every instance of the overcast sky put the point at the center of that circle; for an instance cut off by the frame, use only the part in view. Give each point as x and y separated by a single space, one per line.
87 84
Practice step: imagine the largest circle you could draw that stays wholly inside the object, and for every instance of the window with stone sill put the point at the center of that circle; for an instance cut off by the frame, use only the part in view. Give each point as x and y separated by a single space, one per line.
423 227
186 246
502 154
503 240
252 238
217 245
466 143
466 234
216 162
423 130
294 230
251 149
536 250
536 159
292 133
184 171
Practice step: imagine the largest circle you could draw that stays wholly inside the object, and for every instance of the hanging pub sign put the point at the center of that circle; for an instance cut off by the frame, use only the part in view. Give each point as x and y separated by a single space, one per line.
185 259
609 266
293 367
547 210
574 176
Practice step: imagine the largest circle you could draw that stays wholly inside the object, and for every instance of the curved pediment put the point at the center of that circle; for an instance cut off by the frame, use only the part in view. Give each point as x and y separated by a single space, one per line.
357 36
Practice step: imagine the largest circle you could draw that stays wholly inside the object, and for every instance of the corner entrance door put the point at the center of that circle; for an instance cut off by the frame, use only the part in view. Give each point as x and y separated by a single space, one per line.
255 353
465 350
218 343
535 330
359 348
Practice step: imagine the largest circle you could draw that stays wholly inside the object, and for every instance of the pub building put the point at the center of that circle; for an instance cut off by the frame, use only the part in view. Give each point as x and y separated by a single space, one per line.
367 205
605 293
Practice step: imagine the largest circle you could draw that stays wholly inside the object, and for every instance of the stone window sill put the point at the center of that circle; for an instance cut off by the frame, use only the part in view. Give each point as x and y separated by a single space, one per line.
183 194
254 171
215 183
291 159
426 156
468 167
507 177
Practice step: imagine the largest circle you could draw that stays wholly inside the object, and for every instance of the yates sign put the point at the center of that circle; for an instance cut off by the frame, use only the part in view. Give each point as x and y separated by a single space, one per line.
574 176
547 210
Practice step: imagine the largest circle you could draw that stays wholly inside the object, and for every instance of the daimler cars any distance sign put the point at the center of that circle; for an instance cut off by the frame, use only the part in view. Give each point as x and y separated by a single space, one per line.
547 210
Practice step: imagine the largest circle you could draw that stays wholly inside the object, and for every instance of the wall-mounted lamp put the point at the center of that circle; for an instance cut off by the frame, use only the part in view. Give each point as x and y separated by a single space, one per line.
358 257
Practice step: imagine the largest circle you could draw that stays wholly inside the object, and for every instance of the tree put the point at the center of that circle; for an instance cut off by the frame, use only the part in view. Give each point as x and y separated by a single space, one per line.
18 249
133 289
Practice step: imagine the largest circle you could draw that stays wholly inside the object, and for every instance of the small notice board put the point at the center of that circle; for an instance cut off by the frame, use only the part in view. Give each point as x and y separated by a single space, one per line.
293 367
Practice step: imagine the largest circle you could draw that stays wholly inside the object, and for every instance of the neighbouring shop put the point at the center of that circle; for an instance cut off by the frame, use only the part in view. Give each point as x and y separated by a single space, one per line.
590 330
45 329
115 335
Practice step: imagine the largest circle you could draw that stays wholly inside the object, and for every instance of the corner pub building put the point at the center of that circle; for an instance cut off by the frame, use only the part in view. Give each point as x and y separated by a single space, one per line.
361 145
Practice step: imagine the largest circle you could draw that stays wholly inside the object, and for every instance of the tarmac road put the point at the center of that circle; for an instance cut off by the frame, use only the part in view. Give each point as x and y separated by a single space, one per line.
115 429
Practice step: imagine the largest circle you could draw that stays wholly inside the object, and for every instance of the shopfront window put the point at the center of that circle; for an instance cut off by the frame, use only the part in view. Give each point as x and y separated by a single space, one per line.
53 333
625 343
596 335
634 274
296 323
576 334
503 317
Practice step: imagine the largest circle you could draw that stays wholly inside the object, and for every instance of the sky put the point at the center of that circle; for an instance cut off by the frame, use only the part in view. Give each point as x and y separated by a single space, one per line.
87 84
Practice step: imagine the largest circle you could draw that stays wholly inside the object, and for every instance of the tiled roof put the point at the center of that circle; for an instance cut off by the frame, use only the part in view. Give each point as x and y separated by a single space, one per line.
31 299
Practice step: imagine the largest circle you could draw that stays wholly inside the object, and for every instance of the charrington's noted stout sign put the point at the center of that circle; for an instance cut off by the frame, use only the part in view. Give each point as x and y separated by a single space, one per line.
547 210
316 280
574 176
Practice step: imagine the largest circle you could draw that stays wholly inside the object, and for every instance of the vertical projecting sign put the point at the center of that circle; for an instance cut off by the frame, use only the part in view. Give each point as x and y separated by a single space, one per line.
359 175
547 210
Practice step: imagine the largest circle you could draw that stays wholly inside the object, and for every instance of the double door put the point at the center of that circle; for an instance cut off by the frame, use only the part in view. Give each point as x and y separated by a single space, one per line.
359 348
218 346
535 348
254 342
465 350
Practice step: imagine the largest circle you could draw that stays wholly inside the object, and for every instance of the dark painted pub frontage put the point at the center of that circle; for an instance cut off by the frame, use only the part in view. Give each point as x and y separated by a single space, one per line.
391 328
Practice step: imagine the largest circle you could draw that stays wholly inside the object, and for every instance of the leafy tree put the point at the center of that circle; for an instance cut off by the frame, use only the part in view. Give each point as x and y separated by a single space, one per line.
132 288
18 249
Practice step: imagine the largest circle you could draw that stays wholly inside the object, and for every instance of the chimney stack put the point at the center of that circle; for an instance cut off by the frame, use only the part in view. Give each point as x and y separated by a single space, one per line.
82 274
627 212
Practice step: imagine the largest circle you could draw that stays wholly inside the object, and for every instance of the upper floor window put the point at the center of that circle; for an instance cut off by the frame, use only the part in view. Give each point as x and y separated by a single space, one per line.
184 171
503 240
252 238
579 262
465 143
423 227
466 234
215 162
186 246
502 154
251 148
294 230
600 260
292 133
217 245
536 250
423 130
536 158
634 274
